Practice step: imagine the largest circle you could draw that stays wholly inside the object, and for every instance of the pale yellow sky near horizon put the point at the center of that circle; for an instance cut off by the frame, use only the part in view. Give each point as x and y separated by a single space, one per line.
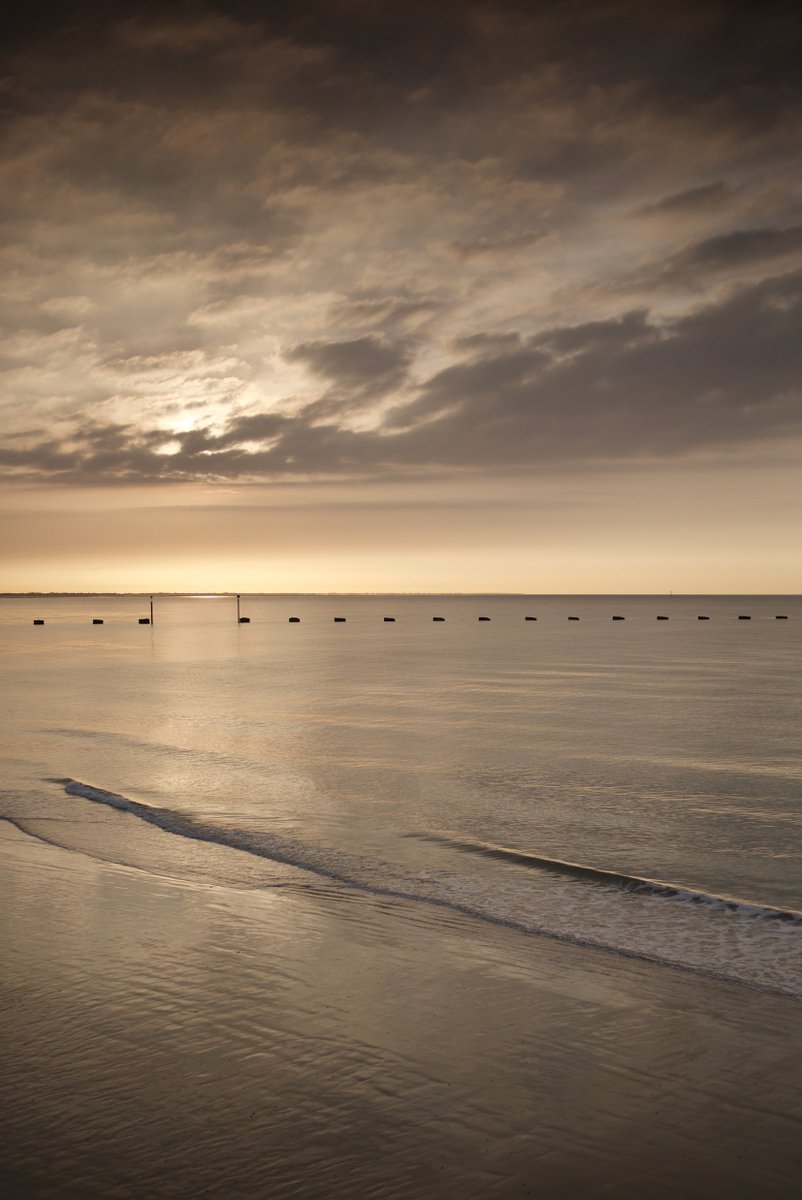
728 530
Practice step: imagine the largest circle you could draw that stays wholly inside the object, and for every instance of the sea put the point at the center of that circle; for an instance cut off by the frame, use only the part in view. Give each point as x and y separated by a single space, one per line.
447 898
573 767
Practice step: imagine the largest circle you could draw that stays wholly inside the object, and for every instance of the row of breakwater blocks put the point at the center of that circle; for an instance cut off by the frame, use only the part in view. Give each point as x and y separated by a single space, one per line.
391 620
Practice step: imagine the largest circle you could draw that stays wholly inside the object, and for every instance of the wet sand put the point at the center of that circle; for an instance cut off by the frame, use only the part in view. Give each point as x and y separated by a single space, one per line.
169 1040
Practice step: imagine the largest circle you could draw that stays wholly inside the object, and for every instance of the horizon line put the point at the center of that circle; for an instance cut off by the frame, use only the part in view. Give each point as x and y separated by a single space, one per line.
215 595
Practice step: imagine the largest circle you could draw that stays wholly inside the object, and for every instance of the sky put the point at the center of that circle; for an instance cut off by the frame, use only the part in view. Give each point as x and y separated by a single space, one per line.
343 295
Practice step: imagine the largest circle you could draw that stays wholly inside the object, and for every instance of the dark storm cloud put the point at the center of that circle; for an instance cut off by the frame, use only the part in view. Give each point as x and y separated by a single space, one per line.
742 247
357 373
723 375
359 363
232 232
355 64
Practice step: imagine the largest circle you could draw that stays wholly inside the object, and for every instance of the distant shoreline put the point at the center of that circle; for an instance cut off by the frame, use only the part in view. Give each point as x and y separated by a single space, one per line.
211 595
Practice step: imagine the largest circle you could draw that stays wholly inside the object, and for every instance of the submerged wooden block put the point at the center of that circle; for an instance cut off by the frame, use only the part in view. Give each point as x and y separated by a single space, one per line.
144 620
244 620
530 618
339 619
483 618
38 621
97 620
438 618
389 618
295 620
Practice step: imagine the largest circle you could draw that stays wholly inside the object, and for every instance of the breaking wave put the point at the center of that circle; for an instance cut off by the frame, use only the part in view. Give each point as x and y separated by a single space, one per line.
720 937
630 883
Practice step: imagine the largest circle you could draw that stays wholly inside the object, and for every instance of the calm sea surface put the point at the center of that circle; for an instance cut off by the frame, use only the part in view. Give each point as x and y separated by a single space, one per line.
457 764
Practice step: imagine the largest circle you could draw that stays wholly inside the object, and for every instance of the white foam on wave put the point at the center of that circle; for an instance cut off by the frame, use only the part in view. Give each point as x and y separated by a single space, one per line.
633 883
728 944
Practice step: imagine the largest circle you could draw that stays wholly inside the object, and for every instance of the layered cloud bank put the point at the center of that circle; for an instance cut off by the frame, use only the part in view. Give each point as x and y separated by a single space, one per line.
267 244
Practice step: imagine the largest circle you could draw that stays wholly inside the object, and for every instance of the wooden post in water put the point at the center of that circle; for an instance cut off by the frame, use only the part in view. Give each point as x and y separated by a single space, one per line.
151 610
238 612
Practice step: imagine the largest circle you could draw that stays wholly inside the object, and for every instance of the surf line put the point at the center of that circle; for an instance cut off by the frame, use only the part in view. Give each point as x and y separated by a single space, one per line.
295 854
630 883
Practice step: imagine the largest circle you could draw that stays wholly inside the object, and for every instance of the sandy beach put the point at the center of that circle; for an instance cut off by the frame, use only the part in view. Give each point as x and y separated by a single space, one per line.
169 1040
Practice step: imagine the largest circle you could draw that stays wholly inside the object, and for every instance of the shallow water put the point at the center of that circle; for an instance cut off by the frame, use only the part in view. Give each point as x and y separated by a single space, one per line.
294 909
172 1039
388 756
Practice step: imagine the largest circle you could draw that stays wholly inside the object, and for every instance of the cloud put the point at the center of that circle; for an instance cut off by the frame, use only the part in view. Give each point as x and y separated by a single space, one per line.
691 200
176 35
617 390
735 250
359 363
725 374
486 343
388 309
510 243
336 238
357 373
